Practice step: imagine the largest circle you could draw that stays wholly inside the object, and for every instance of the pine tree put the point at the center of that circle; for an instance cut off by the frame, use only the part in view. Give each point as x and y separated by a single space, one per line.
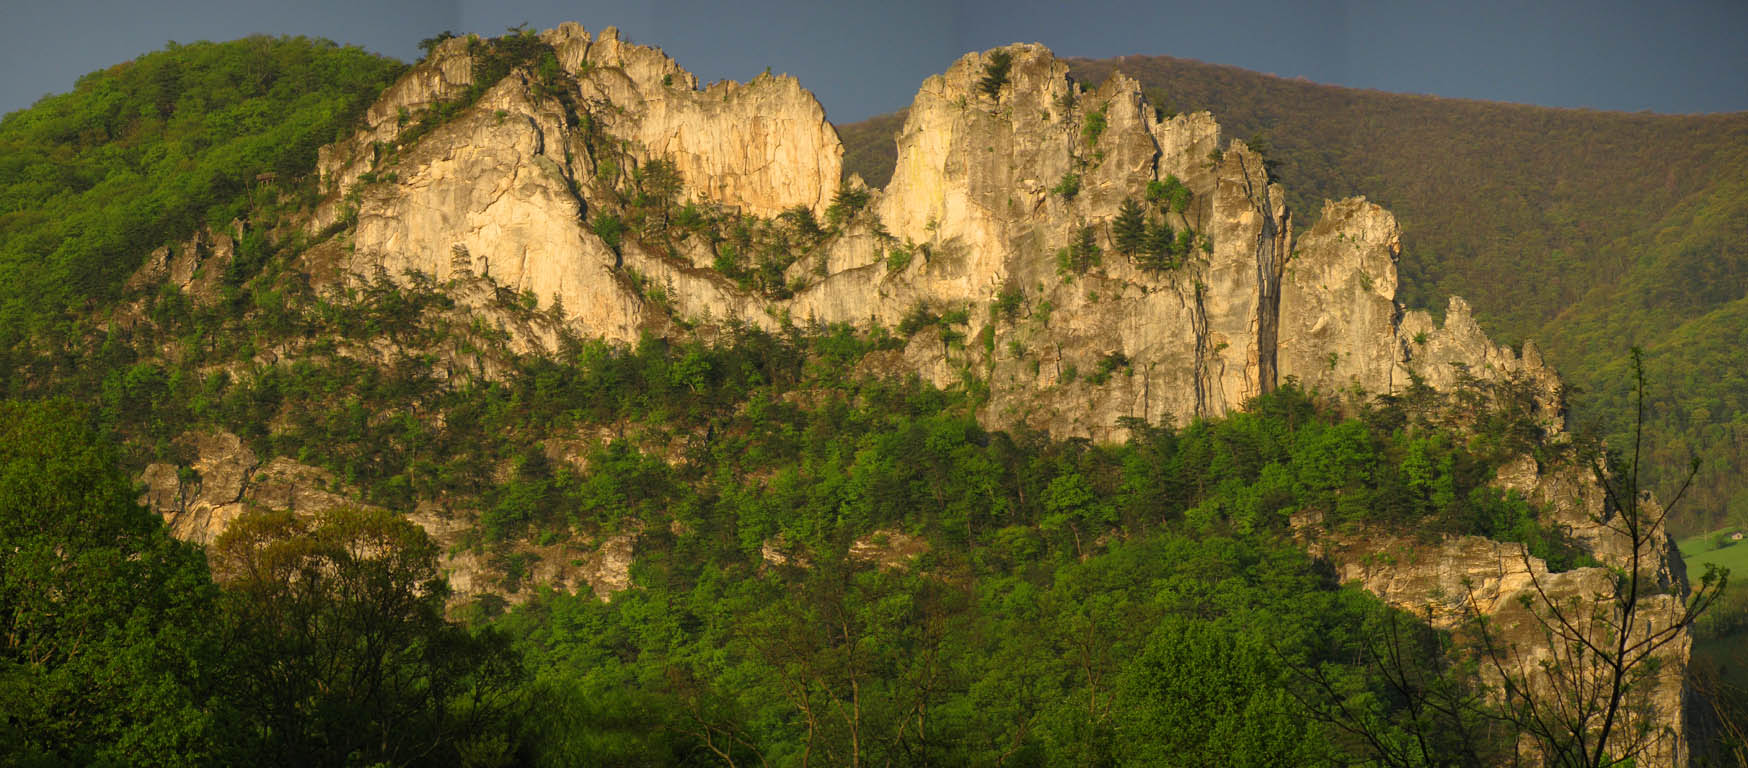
1157 248
1129 229
1086 250
995 73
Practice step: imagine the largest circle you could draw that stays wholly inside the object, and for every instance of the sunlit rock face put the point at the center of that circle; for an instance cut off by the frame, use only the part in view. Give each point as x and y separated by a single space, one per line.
489 194
443 76
995 180
760 147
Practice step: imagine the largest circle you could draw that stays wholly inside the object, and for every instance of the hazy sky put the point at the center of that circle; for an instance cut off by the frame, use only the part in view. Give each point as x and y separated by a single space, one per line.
867 57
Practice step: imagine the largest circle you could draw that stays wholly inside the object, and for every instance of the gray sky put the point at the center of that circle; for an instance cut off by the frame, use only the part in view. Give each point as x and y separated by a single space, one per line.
867 58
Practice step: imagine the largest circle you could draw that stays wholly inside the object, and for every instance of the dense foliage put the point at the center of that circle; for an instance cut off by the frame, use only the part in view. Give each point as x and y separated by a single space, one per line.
1028 645
1061 588
335 626
1055 589
1067 602
326 645
145 152
100 610
1040 607
871 147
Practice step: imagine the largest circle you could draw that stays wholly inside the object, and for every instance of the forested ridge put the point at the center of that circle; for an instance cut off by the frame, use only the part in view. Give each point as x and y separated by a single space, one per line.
144 153
836 566
1587 232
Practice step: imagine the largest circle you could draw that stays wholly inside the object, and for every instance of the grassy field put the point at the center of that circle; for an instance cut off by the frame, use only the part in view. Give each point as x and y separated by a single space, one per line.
1699 550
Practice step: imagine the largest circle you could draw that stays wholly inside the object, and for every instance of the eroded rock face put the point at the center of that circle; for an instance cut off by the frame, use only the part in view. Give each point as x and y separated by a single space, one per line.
224 479
761 147
489 194
991 187
443 76
981 201
505 191
499 191
196 267
1342 275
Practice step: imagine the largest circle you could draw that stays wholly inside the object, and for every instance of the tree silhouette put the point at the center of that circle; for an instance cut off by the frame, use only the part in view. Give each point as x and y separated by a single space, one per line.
1566 674
346 655
1129 229
995 73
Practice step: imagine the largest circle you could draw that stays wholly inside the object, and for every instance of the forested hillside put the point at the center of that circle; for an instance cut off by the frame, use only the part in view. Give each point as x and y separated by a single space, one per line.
836 562
869 149
836 567
1584 231
145 152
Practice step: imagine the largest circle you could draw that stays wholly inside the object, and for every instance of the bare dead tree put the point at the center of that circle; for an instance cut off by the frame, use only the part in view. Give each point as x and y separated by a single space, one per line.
1581 693
1564 676
1440 717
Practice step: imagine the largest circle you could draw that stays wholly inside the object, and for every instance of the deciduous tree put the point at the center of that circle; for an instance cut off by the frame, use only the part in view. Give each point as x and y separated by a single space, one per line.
346 656
104 646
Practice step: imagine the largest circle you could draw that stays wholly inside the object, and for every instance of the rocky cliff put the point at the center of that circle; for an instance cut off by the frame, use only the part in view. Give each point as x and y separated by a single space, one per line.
997 189
1084 257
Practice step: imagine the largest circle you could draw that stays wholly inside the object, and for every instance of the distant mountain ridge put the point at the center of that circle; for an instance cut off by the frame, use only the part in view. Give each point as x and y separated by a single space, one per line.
1586 231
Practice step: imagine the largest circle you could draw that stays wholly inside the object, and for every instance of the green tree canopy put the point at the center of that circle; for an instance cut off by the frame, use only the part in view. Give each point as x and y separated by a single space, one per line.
104 619
346 656
146 152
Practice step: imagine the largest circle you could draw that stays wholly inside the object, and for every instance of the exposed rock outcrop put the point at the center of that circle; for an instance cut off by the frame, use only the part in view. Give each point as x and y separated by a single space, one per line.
1456 579
489 194
224 479
443 76
761 147
505 190
196 267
